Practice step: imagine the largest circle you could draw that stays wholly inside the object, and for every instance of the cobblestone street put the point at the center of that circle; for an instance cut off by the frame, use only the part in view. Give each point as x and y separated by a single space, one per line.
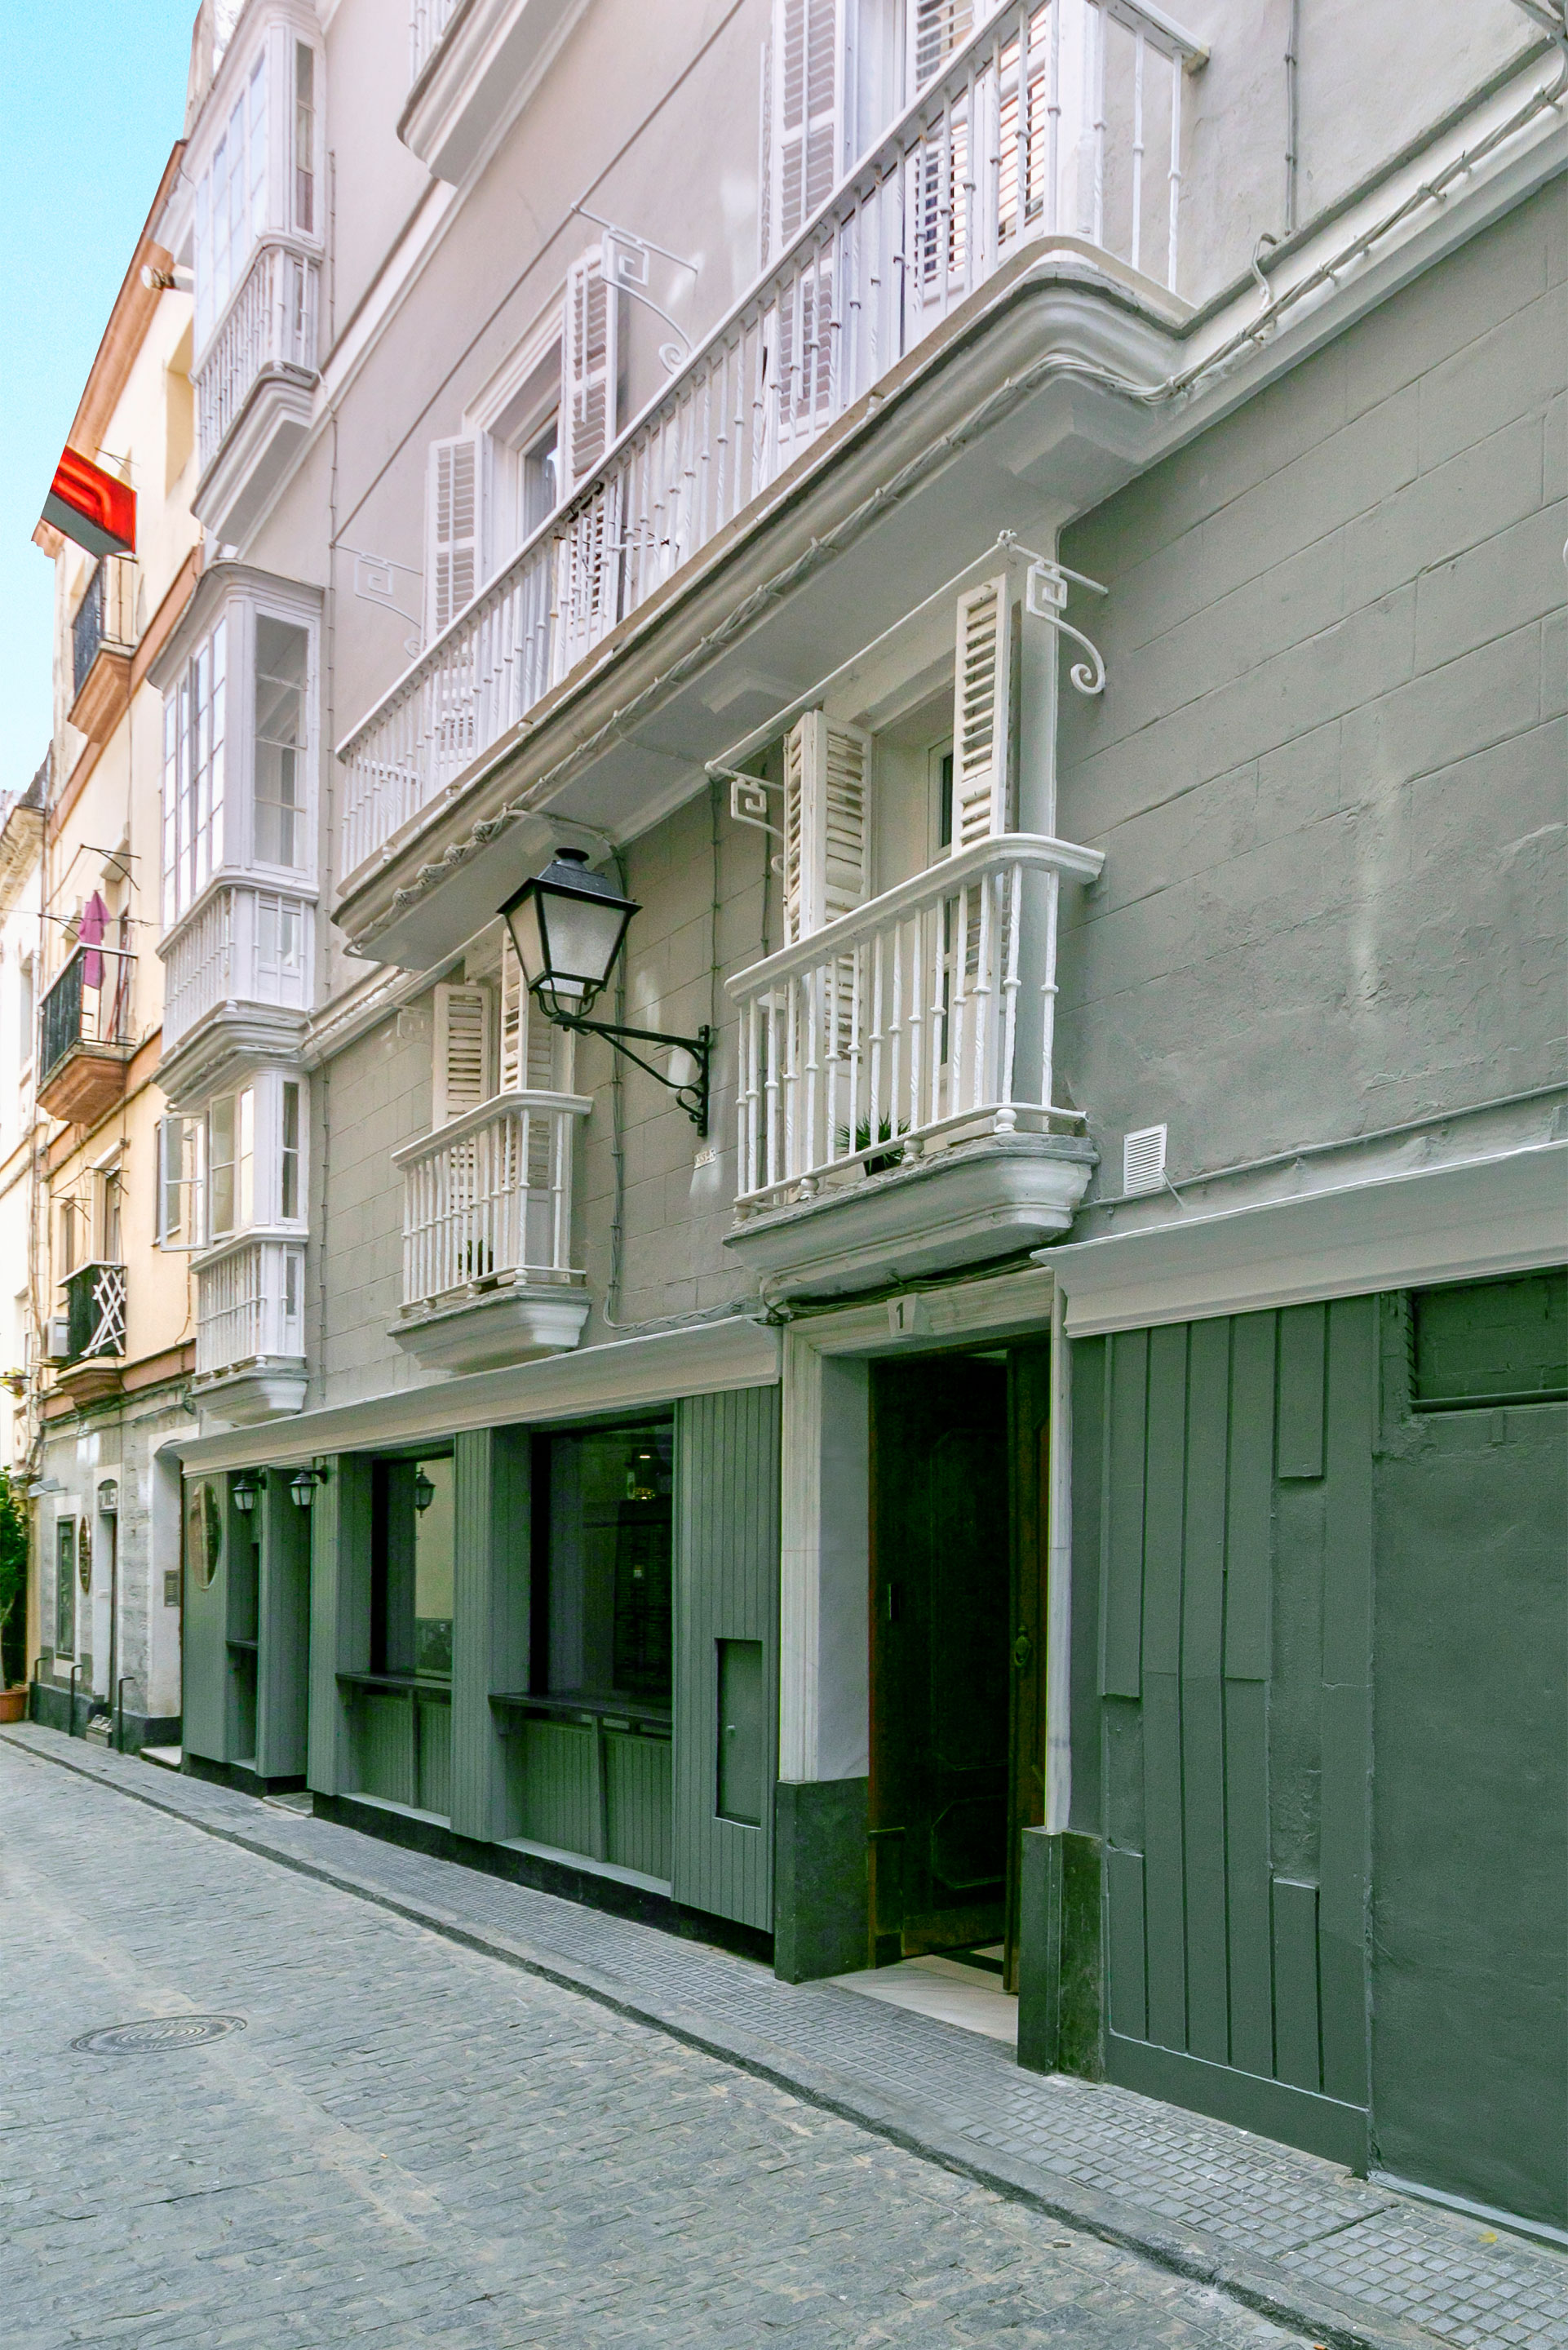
410 2143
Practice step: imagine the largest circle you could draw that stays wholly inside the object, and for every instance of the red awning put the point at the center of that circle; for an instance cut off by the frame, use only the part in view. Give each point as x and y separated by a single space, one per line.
90 506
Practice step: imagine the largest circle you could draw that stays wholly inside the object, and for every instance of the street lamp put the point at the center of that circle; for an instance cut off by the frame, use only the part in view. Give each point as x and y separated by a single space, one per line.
568 925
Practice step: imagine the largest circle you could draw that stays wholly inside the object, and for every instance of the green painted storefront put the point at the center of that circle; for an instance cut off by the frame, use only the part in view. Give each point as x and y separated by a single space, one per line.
1316 1880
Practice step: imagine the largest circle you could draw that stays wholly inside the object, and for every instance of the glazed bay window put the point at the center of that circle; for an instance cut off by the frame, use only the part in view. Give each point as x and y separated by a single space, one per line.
238 1167
238 819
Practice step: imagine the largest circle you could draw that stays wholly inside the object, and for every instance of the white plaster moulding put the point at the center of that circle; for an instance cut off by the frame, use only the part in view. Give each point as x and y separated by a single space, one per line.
1470 1221
479 78
623 1375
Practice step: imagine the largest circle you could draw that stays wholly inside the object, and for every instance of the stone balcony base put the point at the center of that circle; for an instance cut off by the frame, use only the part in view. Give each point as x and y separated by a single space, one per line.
269 1388
490 1328
978 1200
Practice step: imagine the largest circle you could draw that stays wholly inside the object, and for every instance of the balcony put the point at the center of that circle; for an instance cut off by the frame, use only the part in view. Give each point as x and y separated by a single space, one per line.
250 1332
94 1332
966 183
895 1110
103 640
473 63
84 1036
253 387
245 952
487 1235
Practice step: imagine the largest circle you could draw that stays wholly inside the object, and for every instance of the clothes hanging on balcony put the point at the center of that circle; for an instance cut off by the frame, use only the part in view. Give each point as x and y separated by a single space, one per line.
94 922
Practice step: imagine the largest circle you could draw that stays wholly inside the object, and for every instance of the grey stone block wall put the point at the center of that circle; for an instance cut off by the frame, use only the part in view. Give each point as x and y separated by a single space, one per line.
1326 772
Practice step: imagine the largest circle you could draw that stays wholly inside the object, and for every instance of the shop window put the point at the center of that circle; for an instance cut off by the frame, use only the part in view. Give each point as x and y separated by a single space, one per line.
602 1569
412 1548
65 1588
1490 1342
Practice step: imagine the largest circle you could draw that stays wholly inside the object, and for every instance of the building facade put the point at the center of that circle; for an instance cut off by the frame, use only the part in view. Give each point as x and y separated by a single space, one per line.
111 1373
1023 543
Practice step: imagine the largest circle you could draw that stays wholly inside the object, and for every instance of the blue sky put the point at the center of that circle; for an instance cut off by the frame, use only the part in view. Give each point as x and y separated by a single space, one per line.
95 95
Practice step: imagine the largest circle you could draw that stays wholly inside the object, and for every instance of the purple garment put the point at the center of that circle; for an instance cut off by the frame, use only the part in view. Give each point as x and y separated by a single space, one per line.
94 922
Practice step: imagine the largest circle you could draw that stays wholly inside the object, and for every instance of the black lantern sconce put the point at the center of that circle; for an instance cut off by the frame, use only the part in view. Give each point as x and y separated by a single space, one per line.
303 1484
242 1491
567 926
424 1490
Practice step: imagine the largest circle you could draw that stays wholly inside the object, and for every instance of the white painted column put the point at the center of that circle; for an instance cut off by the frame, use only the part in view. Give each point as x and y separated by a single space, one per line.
823 1660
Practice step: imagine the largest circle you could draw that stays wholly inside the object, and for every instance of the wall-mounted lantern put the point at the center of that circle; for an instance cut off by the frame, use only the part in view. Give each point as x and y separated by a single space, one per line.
424 1492
568 925
303 1484
242 1491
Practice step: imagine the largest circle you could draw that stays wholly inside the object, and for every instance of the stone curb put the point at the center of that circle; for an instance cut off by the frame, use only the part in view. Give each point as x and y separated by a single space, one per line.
1331 2321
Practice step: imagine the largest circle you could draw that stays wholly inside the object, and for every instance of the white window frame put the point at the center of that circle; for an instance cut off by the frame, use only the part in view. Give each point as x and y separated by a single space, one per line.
187 875
256 84
192 1155
510 414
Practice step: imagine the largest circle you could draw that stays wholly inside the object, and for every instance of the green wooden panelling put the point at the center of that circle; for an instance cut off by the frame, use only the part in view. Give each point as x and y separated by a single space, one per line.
384 1746
1235 1582
1298 2057
1251 2014
284 1676
726 1588
489 1622
1301 1329
1203 1692
1344 1829
555 1800
1121 1516
432 1755
1124 1918
639 1803
339 1616
204 1655
1269 2109
1249 1512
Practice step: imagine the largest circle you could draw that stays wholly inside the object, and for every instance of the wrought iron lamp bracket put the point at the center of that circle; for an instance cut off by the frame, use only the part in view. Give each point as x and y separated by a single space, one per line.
691 1094
1045 599
749 803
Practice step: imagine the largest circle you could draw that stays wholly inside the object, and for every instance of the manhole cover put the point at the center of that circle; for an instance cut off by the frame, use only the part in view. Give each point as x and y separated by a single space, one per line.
157 2034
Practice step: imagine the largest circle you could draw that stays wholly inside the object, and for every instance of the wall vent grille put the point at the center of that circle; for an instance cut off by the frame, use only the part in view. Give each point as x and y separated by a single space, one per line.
1143 1161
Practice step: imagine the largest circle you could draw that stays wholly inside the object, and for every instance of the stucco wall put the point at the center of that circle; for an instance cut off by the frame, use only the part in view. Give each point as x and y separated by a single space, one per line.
1326 772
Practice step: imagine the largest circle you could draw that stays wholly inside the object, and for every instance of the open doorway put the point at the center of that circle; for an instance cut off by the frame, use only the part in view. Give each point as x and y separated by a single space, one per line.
957 1565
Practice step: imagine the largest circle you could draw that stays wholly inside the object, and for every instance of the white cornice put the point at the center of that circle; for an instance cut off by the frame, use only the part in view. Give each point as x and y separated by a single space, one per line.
625 1374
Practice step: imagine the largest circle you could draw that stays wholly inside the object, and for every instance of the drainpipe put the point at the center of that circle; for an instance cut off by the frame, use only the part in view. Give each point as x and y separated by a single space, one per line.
1292 49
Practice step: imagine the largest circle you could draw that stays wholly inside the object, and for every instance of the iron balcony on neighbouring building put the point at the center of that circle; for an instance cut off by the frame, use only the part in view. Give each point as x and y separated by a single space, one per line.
84 1038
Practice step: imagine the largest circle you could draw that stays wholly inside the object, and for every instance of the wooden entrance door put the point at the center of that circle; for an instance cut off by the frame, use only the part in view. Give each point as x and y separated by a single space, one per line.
940 1655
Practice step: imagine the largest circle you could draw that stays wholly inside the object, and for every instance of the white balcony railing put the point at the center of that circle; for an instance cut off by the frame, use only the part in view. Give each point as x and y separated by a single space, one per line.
487 1199
428 21
248 1305
242 945
270 322
963 180
922 1019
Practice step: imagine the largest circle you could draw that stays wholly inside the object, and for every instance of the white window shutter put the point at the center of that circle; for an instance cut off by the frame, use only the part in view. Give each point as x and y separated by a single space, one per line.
181 1200
981 713
766 159
515 1011
827 823
807 111
464 1073
452 528
590 365
936 27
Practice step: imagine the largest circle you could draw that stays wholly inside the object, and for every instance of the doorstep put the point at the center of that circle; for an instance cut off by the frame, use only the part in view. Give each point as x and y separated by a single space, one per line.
950 1991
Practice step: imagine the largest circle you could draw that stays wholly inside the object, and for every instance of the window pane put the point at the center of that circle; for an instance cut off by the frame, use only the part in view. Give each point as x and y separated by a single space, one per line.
281 652
304 138
220 1163
607 1574
289 1199
258 146
434 1540
412 1534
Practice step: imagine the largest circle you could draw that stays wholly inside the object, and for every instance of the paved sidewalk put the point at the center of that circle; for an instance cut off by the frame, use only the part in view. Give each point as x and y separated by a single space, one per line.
1347 2262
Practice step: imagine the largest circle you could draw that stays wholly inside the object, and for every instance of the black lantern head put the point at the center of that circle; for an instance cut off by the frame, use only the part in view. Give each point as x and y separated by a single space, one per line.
302 1486
567 926
424 1490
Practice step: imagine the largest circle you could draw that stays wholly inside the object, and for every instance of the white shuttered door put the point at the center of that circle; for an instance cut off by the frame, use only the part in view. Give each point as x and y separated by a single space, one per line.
981 714
807 111
827 823
590 364
452 520
465 1073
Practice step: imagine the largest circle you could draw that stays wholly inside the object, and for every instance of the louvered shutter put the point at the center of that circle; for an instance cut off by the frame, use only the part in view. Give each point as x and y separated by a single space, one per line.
827 820
589 365
529 1040
936 27
766 159
451 529
981 713
807 109
465 1073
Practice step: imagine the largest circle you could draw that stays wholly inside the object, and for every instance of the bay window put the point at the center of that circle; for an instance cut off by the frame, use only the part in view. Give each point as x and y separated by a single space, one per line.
259 177
237 1167
238 749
